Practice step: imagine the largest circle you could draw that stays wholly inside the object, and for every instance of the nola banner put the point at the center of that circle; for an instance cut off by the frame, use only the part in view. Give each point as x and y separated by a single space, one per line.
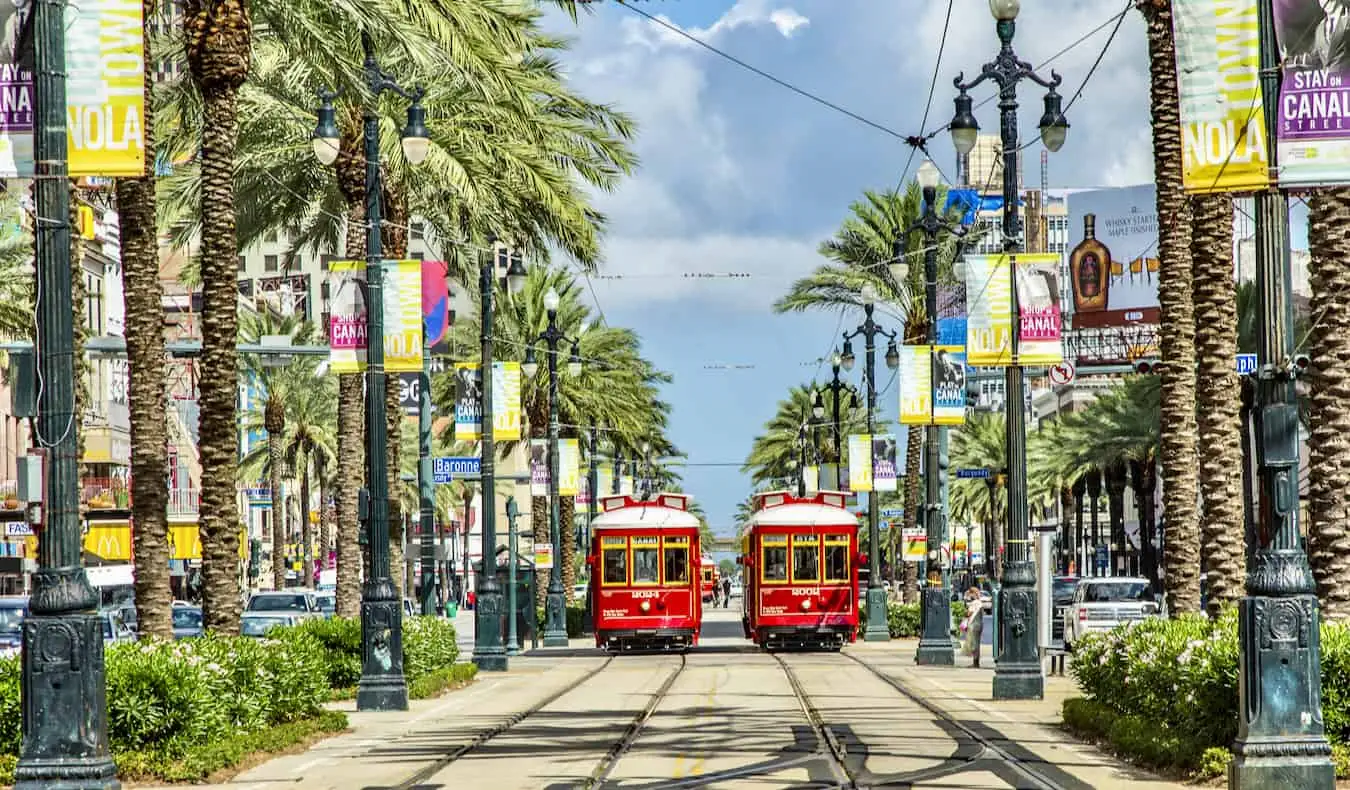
538 467
1223 138
506 416
883 462
569 467
925 401
604 480
860 462
829 478
105 89
402 291
989 323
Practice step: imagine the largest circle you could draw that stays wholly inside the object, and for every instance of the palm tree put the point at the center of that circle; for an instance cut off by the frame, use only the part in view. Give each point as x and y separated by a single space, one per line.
310 444
1217 401
1177 339
859 253
775 453
982 443
1329 457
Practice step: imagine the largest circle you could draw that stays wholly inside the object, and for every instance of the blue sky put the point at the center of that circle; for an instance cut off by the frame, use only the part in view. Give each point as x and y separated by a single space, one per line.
740 175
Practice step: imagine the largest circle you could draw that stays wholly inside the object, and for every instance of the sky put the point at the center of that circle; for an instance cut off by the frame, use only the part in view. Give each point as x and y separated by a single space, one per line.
741 175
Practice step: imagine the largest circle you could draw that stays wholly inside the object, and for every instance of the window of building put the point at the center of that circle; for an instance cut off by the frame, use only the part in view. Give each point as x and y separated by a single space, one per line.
93 303
675 560
242 263
269 263
836 558
418 231
805 558
646 562
270 237
614 558
774 558
325 260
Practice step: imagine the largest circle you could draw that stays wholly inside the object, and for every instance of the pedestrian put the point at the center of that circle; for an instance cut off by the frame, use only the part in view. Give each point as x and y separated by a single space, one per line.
726 592
973 625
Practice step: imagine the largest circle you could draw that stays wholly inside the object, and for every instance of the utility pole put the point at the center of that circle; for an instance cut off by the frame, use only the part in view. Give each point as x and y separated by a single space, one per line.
65 727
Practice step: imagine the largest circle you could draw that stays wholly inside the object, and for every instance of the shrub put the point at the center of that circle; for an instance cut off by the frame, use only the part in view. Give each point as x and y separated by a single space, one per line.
341 640
428 645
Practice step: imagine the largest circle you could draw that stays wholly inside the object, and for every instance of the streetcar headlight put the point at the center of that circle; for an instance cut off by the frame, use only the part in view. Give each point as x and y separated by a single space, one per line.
806 603
646 606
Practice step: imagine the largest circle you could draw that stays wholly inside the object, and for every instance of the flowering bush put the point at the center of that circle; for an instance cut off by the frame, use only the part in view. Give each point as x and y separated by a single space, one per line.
428 645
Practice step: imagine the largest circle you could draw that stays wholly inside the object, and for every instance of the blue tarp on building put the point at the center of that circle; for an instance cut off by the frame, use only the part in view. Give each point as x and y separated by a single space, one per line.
971 202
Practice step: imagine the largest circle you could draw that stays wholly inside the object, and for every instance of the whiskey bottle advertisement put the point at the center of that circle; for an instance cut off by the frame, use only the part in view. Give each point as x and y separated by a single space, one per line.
1090 270
1112 267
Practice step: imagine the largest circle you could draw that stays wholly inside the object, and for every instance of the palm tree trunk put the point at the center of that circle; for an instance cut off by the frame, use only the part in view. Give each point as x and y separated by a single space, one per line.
567 507
913 452
78 296
146 391
217 39
352 554
1217 401
1329 453
1182 558
326 536
306 527
278 511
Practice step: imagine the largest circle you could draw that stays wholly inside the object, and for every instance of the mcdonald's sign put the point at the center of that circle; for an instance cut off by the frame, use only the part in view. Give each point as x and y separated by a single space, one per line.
110 540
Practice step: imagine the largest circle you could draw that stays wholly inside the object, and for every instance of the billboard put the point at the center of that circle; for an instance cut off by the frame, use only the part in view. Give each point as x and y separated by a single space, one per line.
1113 266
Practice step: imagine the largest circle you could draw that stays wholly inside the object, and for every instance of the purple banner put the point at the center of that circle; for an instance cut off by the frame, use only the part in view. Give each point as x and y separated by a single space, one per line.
1314 111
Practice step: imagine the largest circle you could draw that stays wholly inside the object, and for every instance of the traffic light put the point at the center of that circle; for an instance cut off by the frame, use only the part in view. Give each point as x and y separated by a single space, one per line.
1146 367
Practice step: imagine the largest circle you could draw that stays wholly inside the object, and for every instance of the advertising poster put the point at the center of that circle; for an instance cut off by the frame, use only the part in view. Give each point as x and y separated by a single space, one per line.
436 312
626 485
1039 340
538 467
584 491
928 401
505 401
915 376
1313 139
604 480
402 316
1113 265
860 462
812 479
543 556
1223 139
916 544
949 390
829 477
347 316
883 462
989 311
569 467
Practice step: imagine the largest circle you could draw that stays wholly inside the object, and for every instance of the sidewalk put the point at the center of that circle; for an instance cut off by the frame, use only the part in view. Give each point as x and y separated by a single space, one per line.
1030 729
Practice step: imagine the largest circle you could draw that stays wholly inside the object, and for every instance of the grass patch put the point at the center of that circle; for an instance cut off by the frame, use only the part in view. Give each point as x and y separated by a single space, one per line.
440 681
224 757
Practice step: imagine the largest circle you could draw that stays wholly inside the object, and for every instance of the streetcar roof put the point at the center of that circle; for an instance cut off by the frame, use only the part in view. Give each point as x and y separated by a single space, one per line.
645 515
783 509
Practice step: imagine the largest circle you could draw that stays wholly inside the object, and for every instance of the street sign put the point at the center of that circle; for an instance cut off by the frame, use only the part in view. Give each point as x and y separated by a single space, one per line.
1246 364
1062 374
1101 557
972 474
443 470
892 512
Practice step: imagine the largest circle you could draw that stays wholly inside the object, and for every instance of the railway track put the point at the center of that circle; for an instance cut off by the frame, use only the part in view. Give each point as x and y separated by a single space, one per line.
607 764
483 737
829 744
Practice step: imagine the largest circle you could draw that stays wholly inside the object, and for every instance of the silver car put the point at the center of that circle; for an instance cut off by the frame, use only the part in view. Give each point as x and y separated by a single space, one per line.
256 625
1102 603
300 603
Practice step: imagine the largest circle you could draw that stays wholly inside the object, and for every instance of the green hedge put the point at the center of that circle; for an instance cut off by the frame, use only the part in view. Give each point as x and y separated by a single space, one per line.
1165 692
902 619
576 613
182 710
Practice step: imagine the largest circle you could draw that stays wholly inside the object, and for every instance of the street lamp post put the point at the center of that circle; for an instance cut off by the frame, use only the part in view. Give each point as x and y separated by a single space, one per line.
65 727
877 629
512 557
425 484
592 484
801 460
935 643
836 387
382 686
1018 673
1281 740
555 615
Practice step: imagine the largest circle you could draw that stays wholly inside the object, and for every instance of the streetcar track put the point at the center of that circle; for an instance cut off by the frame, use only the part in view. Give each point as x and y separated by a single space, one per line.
492 732
630 734
829 742
1021 766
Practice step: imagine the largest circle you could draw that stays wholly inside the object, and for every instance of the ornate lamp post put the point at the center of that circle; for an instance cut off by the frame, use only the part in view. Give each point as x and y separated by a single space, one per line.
935 644
1281 739
877 630
382 685
1018 673
555 616
836 387
592 483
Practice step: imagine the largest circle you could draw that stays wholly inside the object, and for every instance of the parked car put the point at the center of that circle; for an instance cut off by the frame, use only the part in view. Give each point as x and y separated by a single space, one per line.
257 624
12 611
301 603
187 621
1062 595
115 626
1103 603
579 592
327 604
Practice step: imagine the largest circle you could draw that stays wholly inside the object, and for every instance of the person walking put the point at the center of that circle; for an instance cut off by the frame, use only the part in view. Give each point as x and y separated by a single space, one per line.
973 625
726 592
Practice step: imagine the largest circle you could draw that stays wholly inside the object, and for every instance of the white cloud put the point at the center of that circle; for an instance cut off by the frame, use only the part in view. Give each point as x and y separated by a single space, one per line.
740 174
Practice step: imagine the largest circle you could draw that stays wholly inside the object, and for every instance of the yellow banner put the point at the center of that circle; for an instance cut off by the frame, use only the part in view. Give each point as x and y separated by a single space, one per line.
506 392
1223 141
989 321
860 462
105 88
110 540
604 481
569 467
915 375
185 541
403 316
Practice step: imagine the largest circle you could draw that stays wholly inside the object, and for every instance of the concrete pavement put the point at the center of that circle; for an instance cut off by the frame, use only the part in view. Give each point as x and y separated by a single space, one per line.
727 715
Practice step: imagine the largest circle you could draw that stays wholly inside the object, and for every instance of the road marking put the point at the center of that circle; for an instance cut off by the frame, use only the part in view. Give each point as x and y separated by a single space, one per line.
305 766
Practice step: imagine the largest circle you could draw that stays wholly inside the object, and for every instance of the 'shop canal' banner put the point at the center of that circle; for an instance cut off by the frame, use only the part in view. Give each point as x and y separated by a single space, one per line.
860 462
402 291
539 467
347 316
1223 139
989 310
105 89
506 417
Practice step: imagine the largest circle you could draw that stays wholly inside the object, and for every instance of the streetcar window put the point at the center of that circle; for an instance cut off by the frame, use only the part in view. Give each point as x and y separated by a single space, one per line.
805 558
836 558
615 554
646 562
676 560
774 558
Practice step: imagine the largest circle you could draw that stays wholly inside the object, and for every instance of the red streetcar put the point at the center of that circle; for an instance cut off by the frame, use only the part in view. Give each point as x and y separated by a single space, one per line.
708 573
645 574
801 560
